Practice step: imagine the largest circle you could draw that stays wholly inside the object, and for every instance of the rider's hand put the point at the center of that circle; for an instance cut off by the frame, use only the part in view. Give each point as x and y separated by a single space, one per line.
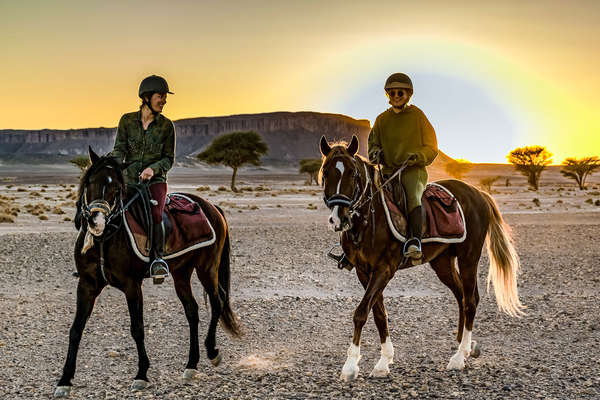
147 174
411 160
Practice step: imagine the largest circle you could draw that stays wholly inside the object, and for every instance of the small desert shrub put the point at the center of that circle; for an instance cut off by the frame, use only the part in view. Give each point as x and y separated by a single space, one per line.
253 207
44 186
34 194
57 210
7 218
594 193
21 190
590 201
597 203
67 204
536 201
203 188
43 217
559 201
67 219
262 188
560 189
311 206
222 189
9 186
42 189
278 206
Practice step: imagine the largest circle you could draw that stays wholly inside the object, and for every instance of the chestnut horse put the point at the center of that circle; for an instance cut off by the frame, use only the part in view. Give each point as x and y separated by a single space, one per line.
357 212
103 257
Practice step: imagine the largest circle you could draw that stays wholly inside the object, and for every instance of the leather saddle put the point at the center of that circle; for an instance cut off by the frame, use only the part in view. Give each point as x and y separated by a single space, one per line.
186 228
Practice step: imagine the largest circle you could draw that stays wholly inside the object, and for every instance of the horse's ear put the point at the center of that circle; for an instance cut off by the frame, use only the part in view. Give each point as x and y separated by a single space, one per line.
353 146
93 156
325 148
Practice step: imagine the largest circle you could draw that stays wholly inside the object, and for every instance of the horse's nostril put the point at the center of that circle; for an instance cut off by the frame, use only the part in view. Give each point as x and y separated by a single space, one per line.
331 220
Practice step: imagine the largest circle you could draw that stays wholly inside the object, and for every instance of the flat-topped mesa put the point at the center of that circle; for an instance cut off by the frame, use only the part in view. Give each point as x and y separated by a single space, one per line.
291 136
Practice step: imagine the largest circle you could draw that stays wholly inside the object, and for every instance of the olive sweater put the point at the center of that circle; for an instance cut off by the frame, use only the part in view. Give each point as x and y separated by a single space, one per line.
400 134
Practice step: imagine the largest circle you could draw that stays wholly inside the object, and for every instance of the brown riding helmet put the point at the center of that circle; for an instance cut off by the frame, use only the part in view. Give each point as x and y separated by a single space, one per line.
398 81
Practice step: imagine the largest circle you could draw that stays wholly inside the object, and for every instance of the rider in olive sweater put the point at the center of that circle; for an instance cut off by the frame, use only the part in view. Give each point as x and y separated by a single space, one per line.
402 134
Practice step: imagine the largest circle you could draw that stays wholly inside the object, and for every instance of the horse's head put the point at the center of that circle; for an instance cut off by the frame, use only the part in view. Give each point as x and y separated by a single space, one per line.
340 178
100 191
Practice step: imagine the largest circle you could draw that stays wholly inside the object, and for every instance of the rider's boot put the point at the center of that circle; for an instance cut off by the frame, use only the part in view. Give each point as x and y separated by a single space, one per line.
412 247
159 269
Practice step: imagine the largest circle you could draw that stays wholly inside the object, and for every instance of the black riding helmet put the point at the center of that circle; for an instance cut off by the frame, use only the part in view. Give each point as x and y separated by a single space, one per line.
149 86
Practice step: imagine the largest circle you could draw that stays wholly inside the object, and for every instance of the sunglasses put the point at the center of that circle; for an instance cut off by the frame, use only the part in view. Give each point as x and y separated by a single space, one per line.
394 92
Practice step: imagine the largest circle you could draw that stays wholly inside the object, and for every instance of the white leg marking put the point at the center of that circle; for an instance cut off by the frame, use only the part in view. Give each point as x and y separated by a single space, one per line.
464 350
350 369
387 357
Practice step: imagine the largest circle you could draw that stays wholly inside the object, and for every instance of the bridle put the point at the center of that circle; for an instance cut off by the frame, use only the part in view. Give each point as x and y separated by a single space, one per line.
340 199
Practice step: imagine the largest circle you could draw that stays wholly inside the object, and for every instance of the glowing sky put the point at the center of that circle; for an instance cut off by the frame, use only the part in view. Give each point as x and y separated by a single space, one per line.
490 77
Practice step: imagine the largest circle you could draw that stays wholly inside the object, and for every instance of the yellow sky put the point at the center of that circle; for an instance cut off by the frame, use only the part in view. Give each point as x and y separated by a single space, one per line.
67 64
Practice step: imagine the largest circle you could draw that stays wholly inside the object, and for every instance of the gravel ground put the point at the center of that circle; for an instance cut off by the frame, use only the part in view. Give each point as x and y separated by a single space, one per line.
296 308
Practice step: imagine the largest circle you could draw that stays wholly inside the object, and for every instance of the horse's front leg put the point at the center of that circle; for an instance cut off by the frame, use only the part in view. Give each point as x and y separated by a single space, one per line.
135 303
88 290
379 279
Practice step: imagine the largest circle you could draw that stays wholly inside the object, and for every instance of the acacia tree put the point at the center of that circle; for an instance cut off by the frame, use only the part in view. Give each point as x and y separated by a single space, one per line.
580 169
234 150
310 166
458 168
530 161
82 162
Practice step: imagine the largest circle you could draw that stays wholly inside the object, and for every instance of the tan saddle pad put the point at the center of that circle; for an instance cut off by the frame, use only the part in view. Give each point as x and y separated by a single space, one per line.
444 221
186 228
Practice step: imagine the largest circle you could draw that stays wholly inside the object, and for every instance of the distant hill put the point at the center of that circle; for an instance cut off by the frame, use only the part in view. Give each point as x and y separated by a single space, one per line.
291 136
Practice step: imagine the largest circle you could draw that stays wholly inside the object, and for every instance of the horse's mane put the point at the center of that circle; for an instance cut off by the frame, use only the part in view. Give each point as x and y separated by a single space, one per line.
104 161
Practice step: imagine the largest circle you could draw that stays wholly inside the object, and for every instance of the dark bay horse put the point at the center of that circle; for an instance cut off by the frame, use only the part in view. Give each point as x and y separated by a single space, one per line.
368 243
103 257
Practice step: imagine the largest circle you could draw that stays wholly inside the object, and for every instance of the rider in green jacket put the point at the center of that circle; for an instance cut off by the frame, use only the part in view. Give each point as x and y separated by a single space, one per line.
146 141
403 134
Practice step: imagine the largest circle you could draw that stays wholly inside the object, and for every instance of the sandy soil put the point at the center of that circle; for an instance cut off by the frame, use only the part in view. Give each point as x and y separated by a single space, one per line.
296 307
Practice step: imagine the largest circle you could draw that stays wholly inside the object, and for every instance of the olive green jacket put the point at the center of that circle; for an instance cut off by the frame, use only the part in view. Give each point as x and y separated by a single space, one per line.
398 135
155 148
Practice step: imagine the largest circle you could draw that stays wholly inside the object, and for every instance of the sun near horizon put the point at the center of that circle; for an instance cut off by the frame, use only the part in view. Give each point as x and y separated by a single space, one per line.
489 77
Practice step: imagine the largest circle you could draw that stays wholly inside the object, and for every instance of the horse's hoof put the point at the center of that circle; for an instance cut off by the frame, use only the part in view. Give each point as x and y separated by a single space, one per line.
379 373
348 376
62 391
217 360
476 349
456 363
139 384
190 374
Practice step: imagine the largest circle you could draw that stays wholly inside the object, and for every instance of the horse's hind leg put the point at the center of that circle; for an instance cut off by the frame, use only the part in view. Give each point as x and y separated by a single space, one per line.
381 369
87 292
135 304
444 267
211 286
183 288
468 275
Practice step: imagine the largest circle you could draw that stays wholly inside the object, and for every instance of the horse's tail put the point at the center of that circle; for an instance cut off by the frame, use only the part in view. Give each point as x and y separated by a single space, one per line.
504 262
228 318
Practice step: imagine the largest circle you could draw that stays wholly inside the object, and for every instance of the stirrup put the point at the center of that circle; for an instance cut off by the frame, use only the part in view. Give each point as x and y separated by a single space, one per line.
412 249
342 260
159 270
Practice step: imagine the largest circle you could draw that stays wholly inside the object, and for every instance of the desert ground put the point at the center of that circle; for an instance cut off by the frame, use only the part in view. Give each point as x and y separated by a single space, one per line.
296 306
